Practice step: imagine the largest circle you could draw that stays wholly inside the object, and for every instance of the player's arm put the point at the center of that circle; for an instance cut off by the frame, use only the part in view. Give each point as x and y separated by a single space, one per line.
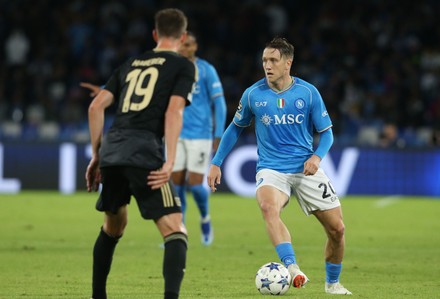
220 120
96 125
173 126
325 143
227 142
215 91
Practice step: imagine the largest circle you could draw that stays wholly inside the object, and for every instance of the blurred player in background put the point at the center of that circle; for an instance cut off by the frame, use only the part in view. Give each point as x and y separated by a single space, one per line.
286 111
203 125
200 135
150 91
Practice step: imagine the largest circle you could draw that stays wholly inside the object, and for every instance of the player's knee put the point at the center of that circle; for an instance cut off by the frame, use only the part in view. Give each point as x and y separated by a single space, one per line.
269 210
337 232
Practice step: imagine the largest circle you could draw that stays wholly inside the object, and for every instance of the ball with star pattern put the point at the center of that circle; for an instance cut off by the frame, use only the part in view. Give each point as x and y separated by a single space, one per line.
273 279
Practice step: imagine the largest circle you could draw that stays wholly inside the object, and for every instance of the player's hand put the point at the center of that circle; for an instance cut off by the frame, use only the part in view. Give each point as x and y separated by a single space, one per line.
214 176
95 89
311 165
158 178
93 175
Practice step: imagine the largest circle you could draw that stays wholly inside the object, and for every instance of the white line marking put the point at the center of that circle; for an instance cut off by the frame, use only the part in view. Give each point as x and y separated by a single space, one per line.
387 201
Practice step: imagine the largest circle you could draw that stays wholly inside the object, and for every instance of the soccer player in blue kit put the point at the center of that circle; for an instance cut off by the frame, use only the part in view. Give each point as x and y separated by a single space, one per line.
286 111
203 125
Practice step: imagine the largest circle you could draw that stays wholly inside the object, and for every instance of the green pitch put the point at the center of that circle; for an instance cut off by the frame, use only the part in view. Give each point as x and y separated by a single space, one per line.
46 240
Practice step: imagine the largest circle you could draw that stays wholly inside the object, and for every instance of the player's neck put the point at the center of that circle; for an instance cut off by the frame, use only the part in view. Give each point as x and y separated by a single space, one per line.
168 44
282 84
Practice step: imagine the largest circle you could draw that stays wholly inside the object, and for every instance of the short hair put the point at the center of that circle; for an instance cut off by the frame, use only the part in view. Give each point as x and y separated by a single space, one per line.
170 22
281 44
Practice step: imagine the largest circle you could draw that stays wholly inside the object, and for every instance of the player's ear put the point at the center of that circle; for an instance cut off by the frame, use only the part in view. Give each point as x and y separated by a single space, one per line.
289 63
155 35
183 37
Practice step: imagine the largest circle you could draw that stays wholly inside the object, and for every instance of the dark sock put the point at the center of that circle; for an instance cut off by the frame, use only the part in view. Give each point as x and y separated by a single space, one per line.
102 260
174 263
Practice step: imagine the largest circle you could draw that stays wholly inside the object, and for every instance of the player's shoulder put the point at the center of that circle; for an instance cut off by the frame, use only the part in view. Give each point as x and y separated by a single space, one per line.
305 84
259 86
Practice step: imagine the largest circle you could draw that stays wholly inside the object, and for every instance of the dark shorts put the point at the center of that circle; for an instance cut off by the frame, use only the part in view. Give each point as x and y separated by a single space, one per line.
119 183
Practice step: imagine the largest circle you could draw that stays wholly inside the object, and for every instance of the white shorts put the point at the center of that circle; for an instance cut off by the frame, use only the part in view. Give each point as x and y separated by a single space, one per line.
313 192
193 155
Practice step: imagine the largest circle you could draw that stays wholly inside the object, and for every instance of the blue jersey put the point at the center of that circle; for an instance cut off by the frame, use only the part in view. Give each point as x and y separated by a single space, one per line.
284 123
198 117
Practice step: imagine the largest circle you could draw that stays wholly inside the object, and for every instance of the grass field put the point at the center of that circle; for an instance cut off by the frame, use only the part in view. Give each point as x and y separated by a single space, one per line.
46 240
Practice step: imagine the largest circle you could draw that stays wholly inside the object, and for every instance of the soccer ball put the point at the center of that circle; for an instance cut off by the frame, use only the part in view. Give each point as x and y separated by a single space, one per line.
272 279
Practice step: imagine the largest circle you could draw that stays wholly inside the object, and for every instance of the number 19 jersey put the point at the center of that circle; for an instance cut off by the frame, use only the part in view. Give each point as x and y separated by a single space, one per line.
142 88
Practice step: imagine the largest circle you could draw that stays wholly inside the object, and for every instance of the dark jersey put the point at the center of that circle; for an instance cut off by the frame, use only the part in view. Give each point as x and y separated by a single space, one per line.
142 88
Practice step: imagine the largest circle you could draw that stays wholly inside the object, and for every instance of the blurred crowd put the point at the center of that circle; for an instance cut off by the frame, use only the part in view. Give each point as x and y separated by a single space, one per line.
376 63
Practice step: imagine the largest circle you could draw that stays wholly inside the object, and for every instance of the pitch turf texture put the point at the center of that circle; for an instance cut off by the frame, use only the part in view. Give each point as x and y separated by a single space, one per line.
46 240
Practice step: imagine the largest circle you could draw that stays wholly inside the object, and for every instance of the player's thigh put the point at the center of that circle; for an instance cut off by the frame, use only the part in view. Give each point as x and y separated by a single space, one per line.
152 204
315 192
273 189
181 156
115 191
198 155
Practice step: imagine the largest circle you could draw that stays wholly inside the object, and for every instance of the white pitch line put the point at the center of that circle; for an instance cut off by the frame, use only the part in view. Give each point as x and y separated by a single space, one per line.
386 201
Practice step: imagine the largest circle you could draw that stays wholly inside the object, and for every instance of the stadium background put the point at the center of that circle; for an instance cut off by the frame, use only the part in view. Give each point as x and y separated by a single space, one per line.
376 64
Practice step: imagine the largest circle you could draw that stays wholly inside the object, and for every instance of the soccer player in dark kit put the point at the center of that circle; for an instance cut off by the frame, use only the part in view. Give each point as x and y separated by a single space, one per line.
136 156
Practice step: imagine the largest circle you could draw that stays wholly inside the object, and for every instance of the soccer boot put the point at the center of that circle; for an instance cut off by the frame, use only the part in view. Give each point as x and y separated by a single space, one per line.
336 289
299 279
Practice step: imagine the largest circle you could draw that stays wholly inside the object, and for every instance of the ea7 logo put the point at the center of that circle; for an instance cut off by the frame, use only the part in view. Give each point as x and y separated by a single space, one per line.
260 104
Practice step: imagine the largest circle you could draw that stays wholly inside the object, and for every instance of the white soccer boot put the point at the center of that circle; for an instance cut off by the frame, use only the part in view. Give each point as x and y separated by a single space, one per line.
336 289
299 279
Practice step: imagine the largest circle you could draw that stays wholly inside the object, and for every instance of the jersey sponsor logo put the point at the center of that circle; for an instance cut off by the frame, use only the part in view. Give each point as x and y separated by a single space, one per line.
281 103
289 119
285 119
266 119
325 113
299 103
216 85
260 104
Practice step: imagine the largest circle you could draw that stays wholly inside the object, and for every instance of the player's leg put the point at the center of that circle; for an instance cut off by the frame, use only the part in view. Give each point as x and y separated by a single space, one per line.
175 238
113 201
201 198
334 227
163 206
317 196
199 151
179 181
273 192
111 232
178 176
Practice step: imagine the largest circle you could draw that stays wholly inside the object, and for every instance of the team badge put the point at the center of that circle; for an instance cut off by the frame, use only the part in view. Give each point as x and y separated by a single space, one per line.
281 103
299 103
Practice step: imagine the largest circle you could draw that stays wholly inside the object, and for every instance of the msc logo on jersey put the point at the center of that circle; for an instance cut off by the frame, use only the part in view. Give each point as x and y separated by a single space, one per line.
300 104
266 119
285 119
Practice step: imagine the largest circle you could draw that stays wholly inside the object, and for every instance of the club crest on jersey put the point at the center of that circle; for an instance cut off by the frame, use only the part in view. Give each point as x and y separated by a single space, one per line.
299 103
281 103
